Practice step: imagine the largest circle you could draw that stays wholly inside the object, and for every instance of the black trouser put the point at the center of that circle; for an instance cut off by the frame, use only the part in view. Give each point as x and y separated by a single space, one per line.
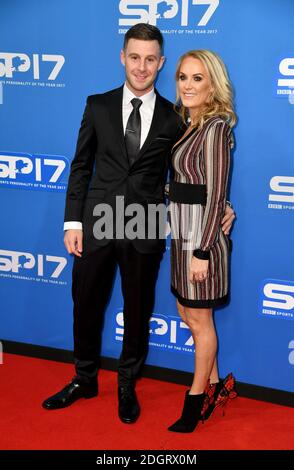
93 276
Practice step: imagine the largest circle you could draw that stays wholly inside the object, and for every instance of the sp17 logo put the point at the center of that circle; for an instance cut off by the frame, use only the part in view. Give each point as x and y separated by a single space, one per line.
283 189
17 261
286 69
150 11
285 83
33 171
169 333
291 354
19 62
278 299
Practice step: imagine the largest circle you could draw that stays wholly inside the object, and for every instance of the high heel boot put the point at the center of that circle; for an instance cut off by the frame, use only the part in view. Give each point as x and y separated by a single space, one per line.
219 394
191 414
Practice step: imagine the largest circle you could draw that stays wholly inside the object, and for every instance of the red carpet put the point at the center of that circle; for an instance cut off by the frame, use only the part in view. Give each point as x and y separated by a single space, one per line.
93 424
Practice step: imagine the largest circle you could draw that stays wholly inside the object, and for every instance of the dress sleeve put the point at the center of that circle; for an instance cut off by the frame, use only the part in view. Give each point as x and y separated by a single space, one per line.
216 161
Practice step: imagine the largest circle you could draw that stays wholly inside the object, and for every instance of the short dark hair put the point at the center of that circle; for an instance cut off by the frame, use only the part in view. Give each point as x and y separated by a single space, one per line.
145 32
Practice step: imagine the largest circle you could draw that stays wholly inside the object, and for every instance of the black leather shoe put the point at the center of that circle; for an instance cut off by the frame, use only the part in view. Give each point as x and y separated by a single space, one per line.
69 394
128 406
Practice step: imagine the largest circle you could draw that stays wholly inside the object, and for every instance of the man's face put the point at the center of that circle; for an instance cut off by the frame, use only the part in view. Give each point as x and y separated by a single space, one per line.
142 61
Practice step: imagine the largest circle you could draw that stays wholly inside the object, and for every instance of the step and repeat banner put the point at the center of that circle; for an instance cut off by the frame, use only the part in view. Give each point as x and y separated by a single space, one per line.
52 56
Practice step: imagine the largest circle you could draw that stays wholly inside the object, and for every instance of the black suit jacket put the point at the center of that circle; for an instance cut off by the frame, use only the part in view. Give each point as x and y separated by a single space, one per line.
100 170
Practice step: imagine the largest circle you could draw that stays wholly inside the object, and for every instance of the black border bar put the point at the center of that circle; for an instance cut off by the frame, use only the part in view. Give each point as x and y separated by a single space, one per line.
150 457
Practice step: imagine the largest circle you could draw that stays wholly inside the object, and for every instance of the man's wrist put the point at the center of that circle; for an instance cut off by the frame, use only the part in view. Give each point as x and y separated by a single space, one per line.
72 225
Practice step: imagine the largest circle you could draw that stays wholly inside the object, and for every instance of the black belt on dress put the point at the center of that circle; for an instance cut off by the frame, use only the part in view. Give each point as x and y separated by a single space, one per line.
187 193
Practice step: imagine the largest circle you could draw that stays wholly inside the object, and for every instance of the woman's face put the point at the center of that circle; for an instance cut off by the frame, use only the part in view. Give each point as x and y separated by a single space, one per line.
194 85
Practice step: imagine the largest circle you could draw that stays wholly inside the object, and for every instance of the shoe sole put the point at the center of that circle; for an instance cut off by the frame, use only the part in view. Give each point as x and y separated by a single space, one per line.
87 397
127 420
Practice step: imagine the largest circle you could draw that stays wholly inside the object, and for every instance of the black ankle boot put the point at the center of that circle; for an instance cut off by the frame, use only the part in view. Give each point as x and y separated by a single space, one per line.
191 414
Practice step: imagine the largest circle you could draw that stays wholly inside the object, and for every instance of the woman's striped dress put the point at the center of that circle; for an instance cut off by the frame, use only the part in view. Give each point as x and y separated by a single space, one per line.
201 159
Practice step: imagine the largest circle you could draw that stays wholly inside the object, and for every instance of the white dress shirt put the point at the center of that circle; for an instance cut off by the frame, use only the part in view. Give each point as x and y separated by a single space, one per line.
146 113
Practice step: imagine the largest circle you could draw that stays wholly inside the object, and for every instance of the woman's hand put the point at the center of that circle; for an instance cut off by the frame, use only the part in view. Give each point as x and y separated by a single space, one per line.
228 220
198 270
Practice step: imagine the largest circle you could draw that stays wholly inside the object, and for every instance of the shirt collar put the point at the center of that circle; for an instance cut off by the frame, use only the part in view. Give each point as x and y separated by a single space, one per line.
128 96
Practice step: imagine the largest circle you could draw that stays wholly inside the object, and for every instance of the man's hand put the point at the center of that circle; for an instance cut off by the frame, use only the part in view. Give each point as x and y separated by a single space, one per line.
228 220
73 240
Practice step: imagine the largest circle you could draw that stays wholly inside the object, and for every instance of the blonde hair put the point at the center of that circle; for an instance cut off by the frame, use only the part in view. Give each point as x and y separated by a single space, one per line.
221 98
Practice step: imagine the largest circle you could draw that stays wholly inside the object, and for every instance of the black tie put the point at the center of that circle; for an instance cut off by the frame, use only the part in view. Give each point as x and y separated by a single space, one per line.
133 131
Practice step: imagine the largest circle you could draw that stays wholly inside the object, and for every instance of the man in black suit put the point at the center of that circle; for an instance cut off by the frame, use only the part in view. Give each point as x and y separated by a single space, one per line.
121 158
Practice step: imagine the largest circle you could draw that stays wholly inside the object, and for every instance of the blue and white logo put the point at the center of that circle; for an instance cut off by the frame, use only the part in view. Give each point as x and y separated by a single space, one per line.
34 70
282 193
32 267
33 171
166 333
184 12
285 80
277 299
291 354
14 63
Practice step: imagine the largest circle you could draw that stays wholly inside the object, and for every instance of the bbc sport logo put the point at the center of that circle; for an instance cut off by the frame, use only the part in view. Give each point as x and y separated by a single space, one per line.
281 196
27 266
277 299
285 82
167 333
176 14
33 171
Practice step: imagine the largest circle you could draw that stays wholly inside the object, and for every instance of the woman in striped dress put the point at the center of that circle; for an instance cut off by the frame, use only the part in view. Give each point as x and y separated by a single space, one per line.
200 249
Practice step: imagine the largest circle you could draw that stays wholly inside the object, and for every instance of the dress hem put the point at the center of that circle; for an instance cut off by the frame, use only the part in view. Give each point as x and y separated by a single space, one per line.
205 303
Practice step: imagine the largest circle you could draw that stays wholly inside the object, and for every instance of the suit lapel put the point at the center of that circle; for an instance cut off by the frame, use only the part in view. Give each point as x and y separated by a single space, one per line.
115 111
